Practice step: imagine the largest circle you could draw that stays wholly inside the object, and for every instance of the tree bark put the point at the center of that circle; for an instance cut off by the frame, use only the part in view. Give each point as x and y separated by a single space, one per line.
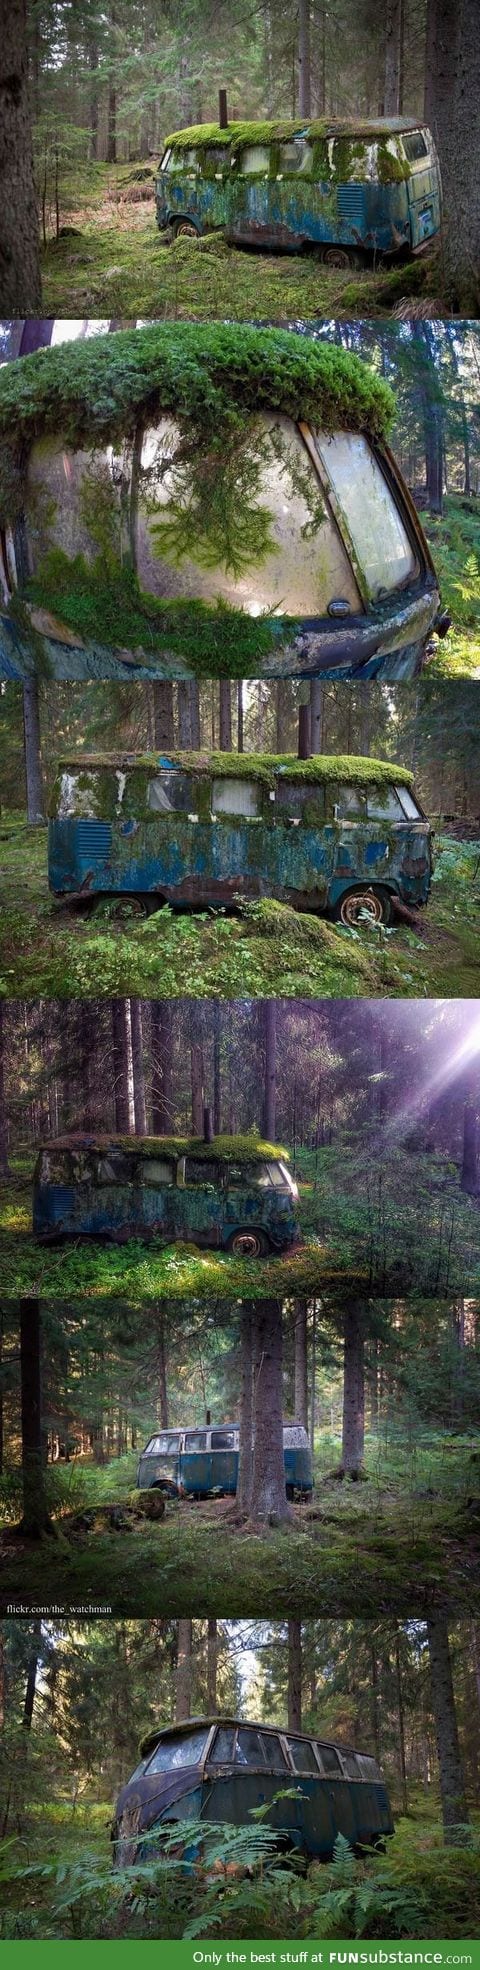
301 1373
304 68
162 1077
212 1663
225 715
31 1683
452 1787
452 94
183 1687
393 57
245 1461
138 1067
269 1499
270 1098
316 714
163 720
294 1675
36 1518
4 1163
197 1078
217 1085
33 753
353 1390
20 281
161 1367
469 1174
123 1117
401 1721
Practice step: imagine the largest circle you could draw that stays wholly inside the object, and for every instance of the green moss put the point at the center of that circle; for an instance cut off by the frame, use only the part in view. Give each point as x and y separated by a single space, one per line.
210 378
349 767
239 134
110 608
223 1148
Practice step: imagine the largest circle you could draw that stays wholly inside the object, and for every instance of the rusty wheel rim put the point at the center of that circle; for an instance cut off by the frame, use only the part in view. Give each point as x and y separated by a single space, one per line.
353 906
246 1245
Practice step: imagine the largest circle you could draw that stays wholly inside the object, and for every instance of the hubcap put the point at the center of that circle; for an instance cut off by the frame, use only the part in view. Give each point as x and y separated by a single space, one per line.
246 1245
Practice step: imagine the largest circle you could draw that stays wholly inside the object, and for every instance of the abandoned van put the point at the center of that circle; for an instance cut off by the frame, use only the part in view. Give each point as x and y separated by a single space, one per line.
221 1769
203 1463
348 188
190 500
234 1193
343 835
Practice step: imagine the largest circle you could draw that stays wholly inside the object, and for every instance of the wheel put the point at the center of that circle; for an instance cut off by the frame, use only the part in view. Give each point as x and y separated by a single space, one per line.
248 1244
337 256
356 903
290 1490
184 226
123 908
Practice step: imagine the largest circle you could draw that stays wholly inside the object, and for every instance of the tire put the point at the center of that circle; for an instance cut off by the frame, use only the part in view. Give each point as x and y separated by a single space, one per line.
337 256
364 896
184 226
248 1244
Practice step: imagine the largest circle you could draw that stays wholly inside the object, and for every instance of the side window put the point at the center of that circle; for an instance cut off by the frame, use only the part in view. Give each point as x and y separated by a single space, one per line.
272 1752
201 1170
222 1440
295 156
408 804
350 804
276 1176
155 1170
368 1766
222 1747
254 160
235 797
350 1764
169 792
114 1168
55 1169
249 1749
195 1440
215 160
383 804
248 1176
415 146
302 1755
293 799
330 1760
180 160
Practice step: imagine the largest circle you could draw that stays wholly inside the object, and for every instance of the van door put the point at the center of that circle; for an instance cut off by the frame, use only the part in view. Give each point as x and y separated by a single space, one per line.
224 1460
199 1202
304 847
251 198
156 1175
423 186
195 1464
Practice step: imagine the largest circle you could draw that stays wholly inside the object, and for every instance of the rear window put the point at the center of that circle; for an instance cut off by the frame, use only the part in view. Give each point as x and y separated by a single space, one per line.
173 1752
364 501
415 146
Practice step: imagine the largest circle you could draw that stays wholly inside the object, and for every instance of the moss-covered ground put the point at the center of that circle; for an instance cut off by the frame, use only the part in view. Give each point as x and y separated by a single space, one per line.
418 1887
53 950
403 1537
385 1221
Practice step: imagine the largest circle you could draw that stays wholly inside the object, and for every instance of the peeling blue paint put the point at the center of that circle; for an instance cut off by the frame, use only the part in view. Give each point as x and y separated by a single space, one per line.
272 211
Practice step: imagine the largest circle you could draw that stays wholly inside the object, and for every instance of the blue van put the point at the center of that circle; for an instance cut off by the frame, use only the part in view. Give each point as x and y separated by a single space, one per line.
203 1462
345 835
235 1193
222 1768
350 188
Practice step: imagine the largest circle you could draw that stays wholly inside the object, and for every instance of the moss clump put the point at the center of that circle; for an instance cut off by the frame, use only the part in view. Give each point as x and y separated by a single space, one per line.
266 767
210 378
224 1148
238 135
108 607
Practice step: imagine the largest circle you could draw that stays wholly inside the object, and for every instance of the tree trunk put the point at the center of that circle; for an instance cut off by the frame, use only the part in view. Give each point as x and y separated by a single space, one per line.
393 57
31 1683
225 715
452 94
92 50
183 1690
353 1391
184 706
244 1481
294 1675
123 1118
269 1498
33 754
163 720
162 1078
212 1661
161 1367
316 714
304 71
452 1787
240 716
4 1164
270 1097
36 1518
20 281
197 1079
301 1375
217 1087
282 710
401 1721
469 1175
138 1068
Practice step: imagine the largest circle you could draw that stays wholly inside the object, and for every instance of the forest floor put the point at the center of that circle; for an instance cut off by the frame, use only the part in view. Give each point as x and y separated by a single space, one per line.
402 1538
53 950
417 1887
373 1220
110 255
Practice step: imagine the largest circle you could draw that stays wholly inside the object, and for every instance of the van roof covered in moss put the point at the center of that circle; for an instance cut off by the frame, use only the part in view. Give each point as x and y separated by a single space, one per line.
207 376
280 129
223 1147
259 766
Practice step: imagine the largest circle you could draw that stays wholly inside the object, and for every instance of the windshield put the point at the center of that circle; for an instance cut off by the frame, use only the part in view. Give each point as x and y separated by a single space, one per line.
409 805
173 1752
366 504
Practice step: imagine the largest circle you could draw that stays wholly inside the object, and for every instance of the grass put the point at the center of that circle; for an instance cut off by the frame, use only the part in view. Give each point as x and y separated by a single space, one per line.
383 1224
400 1539
116 264
267 949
